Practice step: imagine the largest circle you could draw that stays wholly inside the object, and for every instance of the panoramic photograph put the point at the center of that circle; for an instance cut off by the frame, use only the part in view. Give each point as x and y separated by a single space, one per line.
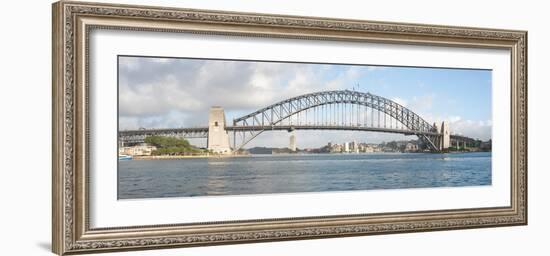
191 127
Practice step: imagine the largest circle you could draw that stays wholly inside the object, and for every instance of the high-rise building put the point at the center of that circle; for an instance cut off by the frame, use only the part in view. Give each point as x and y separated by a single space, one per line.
292 145
346 147
353 147
446 140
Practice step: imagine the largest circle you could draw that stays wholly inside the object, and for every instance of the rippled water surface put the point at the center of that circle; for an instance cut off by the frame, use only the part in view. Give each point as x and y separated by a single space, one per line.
261 174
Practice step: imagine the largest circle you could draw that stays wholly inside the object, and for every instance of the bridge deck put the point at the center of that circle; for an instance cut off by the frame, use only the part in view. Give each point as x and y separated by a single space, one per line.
137 136
204 130
326 127
163 131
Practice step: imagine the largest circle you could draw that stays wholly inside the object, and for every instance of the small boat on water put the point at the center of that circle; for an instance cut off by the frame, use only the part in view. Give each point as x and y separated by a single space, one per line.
124 157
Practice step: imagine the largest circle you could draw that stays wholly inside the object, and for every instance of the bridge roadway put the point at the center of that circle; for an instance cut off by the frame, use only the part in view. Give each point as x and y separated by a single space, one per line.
135 136
326 127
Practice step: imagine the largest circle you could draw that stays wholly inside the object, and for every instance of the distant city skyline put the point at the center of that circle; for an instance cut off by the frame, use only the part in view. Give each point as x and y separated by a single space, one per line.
177 92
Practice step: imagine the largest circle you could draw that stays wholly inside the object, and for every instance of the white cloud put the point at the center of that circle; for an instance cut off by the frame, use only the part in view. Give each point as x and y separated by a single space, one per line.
474 129
149 88
163 92
422 103
162 60
477 129
423 106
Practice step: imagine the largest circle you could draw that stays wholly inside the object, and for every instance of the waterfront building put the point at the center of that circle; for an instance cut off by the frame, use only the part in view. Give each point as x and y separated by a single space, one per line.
143 149
368 149
411 147
353 147
336 148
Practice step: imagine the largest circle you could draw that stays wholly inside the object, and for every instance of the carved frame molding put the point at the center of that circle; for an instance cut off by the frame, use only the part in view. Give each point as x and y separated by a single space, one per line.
72 22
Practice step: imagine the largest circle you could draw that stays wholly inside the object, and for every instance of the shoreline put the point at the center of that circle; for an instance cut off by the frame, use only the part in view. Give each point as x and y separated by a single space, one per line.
183 157
167 157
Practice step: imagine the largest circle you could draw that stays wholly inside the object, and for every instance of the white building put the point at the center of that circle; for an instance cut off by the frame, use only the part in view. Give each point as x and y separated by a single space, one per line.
139 150
292 145
353 147
346 147
411 147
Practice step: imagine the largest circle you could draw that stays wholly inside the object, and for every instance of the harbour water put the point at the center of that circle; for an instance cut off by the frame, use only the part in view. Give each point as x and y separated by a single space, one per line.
261 174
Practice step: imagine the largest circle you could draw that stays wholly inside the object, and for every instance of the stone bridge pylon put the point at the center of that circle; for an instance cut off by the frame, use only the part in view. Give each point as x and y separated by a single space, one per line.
218 138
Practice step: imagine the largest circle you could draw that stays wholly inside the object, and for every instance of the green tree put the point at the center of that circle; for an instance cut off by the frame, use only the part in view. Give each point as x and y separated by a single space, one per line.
172 146
167 142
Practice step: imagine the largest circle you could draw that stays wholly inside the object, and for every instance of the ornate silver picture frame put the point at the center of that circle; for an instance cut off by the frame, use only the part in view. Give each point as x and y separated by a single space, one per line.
72 203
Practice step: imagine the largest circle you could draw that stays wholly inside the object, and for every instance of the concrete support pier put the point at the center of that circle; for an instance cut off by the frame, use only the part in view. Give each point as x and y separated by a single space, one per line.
218 139
446 133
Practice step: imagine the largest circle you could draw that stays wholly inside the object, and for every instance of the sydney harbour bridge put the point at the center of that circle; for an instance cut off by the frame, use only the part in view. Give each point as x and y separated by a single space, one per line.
343 110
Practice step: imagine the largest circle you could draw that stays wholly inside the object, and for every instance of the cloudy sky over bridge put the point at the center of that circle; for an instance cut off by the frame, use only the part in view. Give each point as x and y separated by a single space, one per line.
172 93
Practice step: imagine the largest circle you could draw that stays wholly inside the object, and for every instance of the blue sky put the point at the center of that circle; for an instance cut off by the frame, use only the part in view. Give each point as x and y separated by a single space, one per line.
459 92
170 93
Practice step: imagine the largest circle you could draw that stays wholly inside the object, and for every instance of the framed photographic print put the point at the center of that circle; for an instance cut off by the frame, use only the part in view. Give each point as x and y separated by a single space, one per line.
179 127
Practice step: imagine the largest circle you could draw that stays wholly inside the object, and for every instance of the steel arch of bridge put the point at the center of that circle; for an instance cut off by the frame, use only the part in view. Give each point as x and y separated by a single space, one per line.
273 117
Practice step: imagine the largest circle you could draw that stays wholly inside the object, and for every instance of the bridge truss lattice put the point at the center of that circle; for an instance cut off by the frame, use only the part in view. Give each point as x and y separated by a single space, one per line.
334 110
